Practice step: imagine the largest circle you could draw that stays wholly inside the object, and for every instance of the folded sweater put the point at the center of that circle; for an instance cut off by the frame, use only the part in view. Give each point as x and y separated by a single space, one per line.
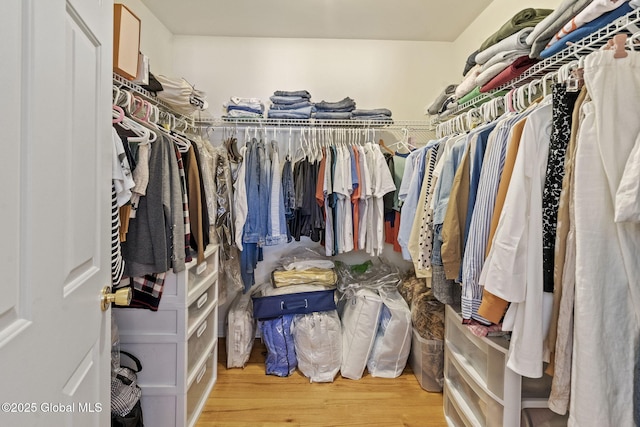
525 18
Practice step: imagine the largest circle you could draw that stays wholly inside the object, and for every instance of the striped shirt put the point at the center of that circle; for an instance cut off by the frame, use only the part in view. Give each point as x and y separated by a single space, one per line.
480 225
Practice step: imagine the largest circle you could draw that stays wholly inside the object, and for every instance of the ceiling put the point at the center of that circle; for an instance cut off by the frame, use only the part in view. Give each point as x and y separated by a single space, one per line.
418 20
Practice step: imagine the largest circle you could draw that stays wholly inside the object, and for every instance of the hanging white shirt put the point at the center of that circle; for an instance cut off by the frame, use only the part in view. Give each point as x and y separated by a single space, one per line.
365 196
513 268
383 185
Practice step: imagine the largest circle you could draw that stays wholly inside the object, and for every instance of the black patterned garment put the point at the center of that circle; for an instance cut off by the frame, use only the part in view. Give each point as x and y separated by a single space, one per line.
563 103
117 263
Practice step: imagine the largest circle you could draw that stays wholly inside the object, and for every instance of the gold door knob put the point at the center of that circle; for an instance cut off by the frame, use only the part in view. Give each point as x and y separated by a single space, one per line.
121 297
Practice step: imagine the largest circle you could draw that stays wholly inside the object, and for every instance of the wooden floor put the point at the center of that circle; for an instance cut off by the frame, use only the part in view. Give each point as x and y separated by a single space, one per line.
248 397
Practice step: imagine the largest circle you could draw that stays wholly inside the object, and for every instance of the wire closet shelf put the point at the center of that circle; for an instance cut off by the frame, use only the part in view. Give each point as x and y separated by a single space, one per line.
424 125
121 82
592 42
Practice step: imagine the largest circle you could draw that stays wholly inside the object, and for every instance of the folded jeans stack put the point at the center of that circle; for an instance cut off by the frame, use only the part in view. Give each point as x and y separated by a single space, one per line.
339 110
377 114
290 105
238 107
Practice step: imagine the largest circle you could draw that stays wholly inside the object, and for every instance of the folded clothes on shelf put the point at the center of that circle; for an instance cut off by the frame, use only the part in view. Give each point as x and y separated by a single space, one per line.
368 113
297 113
516 41
587 29
300 104
514 70
296 93
437 105
287 100
332 115
344 105
238 107
593 10
245 108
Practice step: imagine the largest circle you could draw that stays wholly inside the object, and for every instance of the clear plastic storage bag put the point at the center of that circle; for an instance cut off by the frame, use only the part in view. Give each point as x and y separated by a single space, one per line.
359 325
281 355
241 331
318 343
392 345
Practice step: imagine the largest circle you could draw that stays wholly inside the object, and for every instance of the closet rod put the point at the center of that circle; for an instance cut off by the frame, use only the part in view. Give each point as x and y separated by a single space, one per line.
360 124
580 48
120 81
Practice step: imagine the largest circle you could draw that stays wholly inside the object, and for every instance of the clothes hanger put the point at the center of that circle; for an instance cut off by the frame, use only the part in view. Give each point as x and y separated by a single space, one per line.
632 42
120 116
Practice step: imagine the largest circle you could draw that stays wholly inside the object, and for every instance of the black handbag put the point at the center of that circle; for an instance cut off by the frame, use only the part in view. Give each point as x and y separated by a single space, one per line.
126 410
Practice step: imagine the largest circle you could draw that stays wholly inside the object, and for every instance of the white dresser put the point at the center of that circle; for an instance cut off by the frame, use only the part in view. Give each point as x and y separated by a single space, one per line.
177 344
479 389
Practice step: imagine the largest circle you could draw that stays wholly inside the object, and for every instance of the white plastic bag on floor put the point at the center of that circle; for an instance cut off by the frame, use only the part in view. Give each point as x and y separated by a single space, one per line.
359 326
241 331
393 339
318 343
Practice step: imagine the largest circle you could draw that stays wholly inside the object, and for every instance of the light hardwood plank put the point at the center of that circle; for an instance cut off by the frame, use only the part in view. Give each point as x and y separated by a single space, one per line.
248 397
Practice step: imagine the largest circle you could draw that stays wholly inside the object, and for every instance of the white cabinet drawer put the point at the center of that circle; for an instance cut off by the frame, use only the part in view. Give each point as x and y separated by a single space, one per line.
479 405
201 275
203 382
486 357
160 411
453 416
188 284
135 321
199 308
159 361
203 336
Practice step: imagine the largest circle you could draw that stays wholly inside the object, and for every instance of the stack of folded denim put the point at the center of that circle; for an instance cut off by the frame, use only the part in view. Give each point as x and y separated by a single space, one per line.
244 108
290 105
339 110
377 114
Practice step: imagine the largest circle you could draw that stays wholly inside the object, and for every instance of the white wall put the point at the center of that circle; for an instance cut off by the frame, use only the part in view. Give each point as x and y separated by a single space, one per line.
156 41
401 76
487 23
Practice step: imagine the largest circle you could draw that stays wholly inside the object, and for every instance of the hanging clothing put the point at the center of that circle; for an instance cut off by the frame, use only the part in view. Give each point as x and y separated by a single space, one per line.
155 241
513 269
479 226
560 338
607 298
563 103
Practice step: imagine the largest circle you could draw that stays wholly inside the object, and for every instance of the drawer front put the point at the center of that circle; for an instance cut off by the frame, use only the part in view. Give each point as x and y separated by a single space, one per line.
160 363
132 321
453 417
488 412
201 339
201 275
474 351
162 411
198 309
201 386
487 360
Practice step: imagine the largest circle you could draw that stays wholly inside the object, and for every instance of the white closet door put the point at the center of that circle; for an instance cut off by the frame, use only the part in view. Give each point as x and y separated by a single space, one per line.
55 212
